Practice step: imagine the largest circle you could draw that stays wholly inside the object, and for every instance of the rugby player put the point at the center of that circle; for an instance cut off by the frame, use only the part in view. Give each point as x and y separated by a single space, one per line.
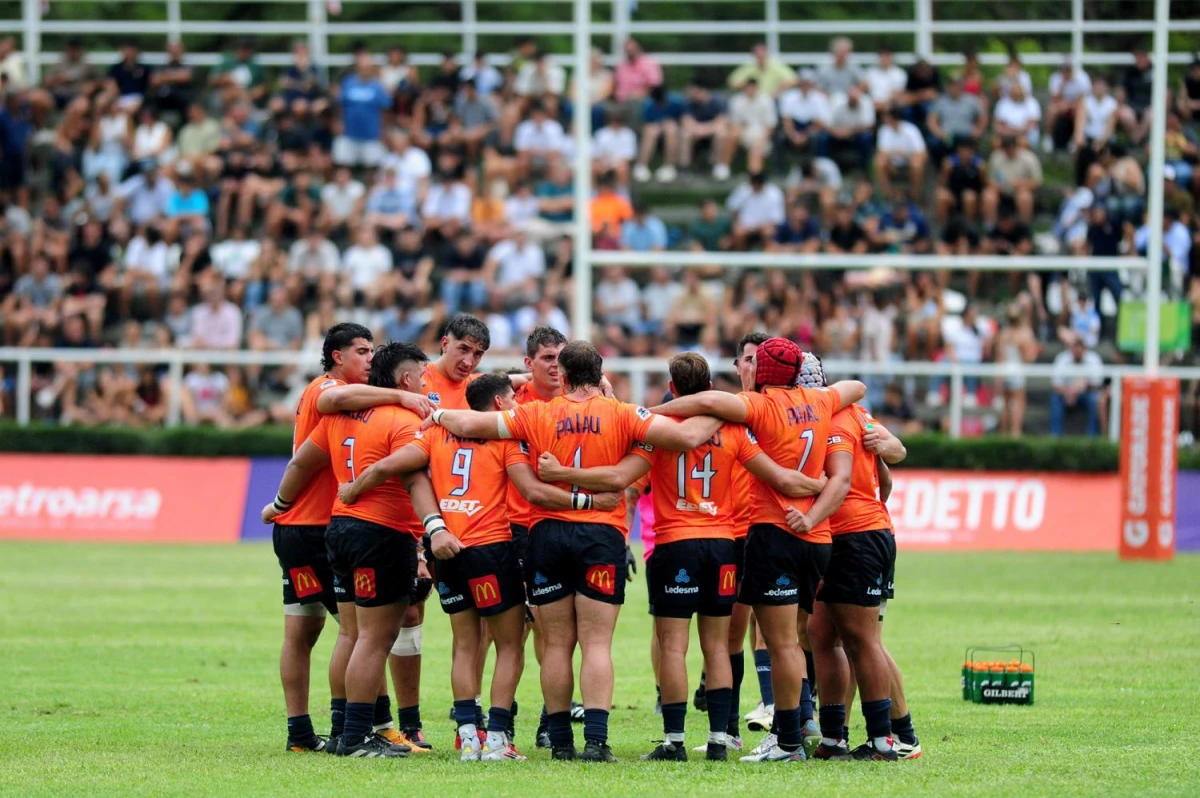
852 596
783 567
372 545
693 569
576 564
477 569
299 535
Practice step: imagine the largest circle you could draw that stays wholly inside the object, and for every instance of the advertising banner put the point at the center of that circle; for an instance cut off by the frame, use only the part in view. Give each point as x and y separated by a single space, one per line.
122 499
265 473
1149 429
973 511
1187 511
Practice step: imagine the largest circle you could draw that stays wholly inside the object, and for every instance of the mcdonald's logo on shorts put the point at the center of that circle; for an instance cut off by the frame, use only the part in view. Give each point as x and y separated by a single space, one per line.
485 591
727 584
364 583
305 582
603 579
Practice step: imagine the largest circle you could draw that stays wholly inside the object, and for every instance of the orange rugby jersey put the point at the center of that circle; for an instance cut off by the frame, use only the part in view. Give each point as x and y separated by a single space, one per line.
312 507
695 493
358 439
520 512
743 500
591 433
792 427
445 392
470 479
861 510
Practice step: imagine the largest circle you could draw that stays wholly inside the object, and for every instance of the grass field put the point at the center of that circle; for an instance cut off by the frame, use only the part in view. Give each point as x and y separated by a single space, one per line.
153 670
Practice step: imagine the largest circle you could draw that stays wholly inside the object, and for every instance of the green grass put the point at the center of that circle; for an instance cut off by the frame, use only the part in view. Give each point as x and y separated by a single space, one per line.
152 670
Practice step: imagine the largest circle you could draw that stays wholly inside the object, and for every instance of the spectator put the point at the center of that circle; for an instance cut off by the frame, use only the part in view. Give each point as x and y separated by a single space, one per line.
216 323
539 141
1014 74
1095 125
390 205
479 117
609 210
753 117
540 77
203 398
1137 84
799 234
922 86
1075 390
462 278
199 139
239 77
967 343
955 115
302 85
804 112
1189 92
661 115
1015 174
643 233
367 264
1177 249
1008 237
485 77
447 206
900 150
758 209
618 305
1068 87
636 75
150 264
398 75
313 256
896 413
343 202
35 301
172 84
412 264
187 207
710 231
885 81
694 310
704 120
71 77
275 327
903 230
109 142
556 203
234 257
614 148
769 73
128 79
657 299
851 127
1017 115
1015 347
363 100
816 181
512 271
962 180
845 236
1182 151
838 77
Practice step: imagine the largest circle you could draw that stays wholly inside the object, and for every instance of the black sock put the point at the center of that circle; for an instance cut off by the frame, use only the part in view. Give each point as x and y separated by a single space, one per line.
806 703
358 722
300 728
673 716
846 734
383 710
878 717
464 712
901 727
774 726
542 720
337 717
762 665
718 709
737 663
810 667
558 724
833 719
410 717
788 721
595 725
500 720
514 709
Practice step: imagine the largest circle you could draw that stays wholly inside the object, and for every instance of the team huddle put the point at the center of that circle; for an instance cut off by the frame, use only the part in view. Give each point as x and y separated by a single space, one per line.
513 496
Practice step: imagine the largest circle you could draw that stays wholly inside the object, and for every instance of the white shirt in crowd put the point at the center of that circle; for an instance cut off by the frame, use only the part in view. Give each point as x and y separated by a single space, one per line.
753 113
1018 115
842 115
447 201
904 139
548 136
659 298
757 208
411 166
1078 85
966 342
884 84
207 390
233 258
1097 112
528 317
516 264
340 200
159 259
303 256
518 210
366 264
614 144
1091 363
619 302
804 109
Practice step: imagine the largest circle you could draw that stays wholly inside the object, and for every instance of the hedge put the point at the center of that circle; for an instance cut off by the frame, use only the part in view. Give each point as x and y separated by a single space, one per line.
1089 455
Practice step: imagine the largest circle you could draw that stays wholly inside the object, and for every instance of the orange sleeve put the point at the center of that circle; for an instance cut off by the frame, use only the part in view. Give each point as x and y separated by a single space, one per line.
642 484
843 433
835 399
403 432
513 454
753 408
320 435
643 450
638 420
746 446
424 441
522 420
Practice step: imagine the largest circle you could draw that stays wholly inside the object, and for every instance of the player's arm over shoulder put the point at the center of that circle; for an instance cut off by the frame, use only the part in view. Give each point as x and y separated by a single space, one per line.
678 436
846 393
727 406
341 398
789 482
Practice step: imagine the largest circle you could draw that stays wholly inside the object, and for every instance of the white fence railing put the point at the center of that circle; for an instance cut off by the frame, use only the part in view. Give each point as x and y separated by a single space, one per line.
639 371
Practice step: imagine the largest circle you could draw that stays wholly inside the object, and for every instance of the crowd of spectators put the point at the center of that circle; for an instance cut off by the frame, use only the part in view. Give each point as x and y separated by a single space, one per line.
242 208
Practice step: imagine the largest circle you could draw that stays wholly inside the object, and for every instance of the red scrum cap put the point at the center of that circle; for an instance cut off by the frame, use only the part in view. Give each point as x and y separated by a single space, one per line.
778 362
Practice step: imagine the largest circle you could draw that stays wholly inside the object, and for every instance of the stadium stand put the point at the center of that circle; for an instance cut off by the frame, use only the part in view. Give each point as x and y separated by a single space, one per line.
241 206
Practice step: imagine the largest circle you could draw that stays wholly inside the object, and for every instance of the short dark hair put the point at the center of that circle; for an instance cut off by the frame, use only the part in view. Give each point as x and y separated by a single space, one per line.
341 336
690 373
756 338
483 390
390 357
581 364
464 326
543 335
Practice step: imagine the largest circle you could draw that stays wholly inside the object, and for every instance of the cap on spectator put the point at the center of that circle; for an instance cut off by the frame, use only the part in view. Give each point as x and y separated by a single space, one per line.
1168 172
778 362
807 76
